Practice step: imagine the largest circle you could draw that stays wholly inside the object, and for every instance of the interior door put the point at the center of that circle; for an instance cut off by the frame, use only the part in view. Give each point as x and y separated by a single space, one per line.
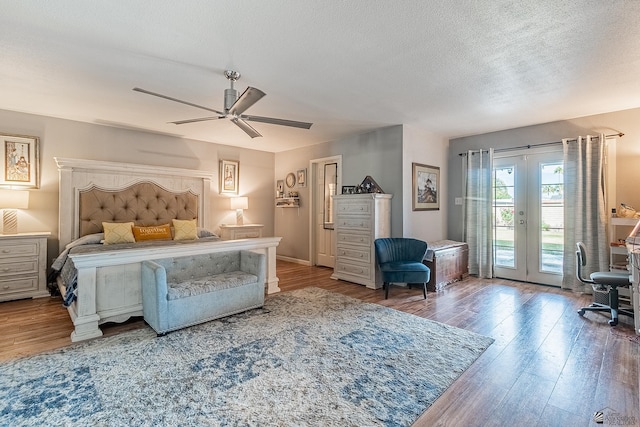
528 217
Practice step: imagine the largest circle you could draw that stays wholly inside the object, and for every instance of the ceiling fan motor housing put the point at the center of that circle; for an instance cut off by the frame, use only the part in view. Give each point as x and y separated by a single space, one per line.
230 96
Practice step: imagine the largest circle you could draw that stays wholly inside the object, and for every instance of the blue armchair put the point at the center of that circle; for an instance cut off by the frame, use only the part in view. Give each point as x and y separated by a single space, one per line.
400 261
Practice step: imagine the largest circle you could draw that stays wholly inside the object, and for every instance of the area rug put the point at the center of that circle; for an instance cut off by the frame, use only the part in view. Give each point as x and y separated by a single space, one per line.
308 358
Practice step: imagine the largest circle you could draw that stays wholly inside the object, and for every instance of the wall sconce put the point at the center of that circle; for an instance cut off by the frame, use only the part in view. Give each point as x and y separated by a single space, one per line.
10 200
239 203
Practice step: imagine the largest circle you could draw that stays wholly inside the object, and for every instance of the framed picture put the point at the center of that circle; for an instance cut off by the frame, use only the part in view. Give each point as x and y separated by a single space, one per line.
280 188
348 189
426 187
229 174
302 177
20 161
290 180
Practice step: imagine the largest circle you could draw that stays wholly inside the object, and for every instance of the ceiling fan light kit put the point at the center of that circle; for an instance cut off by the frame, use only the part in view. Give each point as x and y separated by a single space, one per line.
234 107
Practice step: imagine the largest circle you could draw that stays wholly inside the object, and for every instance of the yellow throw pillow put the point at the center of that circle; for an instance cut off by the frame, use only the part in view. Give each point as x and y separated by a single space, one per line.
118 232
185 229
154 232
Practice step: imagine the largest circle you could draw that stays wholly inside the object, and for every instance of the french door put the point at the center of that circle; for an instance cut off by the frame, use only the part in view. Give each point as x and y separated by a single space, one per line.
528 217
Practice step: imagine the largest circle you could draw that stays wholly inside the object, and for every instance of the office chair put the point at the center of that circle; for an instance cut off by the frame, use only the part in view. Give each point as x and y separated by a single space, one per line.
400 261
602 279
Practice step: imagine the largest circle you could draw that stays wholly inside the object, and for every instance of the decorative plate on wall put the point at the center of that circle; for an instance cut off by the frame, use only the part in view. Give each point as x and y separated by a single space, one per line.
291 180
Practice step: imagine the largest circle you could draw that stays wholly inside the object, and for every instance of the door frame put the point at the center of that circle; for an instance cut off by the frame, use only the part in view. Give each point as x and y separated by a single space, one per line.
313 184
532 222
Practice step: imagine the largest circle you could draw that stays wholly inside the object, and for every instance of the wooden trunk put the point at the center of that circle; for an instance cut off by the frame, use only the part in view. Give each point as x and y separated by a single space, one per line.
450 263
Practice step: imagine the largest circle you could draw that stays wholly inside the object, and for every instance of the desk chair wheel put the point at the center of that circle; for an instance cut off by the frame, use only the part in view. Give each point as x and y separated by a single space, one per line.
581 312
613 322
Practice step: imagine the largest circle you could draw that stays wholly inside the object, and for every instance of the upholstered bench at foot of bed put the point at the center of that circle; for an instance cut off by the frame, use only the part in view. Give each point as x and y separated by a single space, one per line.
184 291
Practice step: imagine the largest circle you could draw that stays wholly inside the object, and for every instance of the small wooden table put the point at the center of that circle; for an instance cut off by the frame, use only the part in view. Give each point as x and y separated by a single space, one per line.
448 261
243 231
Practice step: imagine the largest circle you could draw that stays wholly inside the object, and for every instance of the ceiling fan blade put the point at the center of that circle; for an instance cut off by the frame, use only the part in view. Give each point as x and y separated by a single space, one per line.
202 119
281 122
245 127
250 96
159 95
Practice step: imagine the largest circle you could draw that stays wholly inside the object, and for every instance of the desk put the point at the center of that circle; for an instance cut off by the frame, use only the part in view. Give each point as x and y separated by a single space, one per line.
244 231
634 259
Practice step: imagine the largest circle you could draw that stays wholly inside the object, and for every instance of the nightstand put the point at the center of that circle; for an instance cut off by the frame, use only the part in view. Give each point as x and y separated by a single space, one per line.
245 231
23 264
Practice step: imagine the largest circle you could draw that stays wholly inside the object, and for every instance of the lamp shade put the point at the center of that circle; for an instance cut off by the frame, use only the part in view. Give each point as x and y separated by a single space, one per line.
239 203
14 199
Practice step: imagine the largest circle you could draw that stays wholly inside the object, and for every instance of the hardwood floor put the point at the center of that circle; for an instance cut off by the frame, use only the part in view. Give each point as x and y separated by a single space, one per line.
547 367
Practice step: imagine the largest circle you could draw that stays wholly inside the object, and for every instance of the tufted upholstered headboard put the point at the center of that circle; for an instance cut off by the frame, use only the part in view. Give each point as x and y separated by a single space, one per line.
93 191
144 203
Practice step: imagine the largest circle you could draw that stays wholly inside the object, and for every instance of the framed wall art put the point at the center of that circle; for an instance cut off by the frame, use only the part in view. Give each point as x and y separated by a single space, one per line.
229 174
280 188
302 177
426 187
20 161
290 180
348 189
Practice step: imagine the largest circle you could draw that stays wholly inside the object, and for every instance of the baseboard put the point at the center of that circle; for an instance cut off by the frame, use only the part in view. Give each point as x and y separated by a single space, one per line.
294 260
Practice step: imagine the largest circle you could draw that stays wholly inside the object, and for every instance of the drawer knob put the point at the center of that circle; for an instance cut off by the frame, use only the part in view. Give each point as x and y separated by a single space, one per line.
6 287
6 251
5 269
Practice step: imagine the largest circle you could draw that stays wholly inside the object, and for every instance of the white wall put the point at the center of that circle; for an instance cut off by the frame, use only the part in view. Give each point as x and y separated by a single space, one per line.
65 138
428 149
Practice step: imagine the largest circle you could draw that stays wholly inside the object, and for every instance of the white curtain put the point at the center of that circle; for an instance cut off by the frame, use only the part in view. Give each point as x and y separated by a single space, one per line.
585 215
478 230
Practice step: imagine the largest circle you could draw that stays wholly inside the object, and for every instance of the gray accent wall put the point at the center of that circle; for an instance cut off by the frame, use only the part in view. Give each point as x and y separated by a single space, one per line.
627 153
377 153
385 154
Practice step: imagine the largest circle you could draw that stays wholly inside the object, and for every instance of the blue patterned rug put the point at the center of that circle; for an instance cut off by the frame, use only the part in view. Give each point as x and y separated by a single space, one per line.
308 358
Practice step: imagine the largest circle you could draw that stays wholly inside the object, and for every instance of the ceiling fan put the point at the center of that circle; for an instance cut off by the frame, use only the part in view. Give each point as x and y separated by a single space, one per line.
234 107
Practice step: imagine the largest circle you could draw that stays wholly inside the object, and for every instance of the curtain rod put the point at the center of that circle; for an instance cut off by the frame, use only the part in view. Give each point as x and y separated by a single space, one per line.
544 144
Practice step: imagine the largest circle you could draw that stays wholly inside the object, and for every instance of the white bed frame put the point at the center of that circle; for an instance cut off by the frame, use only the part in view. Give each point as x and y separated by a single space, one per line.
109 288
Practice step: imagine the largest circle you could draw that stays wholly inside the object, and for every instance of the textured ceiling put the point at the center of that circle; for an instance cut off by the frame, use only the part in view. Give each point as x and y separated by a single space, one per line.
453 68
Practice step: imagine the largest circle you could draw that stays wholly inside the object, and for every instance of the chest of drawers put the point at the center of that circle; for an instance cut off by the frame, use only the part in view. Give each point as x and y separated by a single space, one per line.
359 219
23 263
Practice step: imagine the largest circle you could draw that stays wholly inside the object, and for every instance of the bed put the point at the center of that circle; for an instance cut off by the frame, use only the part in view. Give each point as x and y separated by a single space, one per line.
107 284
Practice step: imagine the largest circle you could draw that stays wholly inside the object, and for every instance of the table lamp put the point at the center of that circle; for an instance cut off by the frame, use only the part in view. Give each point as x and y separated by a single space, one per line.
239 203
10 200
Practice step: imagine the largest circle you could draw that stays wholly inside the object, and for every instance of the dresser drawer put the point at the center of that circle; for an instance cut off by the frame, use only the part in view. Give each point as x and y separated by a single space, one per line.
354 269
354 208
356 239
15 248
18 285
355 253
348 223
17 266
247 234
